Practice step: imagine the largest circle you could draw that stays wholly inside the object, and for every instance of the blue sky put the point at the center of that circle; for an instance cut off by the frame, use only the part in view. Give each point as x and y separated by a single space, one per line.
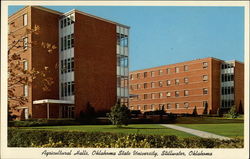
164 35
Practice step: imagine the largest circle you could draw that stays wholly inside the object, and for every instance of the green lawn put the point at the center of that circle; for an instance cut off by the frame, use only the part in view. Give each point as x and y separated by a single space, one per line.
228 129
206 120
152 129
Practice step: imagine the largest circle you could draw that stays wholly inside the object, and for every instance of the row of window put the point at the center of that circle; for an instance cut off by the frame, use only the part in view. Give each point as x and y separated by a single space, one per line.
25 43
227 77
168 94
67 89
67 65
227 90
25 90
225 66
66 21
122 39
160 83
160 72
67 42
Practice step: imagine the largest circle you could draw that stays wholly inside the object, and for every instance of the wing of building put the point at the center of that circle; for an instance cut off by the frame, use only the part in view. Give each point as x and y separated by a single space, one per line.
89 66
179 88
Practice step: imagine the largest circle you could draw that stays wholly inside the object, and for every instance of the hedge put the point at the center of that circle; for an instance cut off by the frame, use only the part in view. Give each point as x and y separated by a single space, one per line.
43 138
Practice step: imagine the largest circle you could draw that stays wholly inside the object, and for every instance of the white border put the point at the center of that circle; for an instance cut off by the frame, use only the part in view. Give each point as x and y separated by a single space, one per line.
36 152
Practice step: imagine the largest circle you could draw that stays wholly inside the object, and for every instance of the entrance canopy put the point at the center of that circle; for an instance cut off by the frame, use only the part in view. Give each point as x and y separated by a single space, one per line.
52 101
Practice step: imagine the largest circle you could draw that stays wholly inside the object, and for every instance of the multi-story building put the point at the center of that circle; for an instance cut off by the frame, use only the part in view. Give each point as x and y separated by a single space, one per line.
179 88
90 64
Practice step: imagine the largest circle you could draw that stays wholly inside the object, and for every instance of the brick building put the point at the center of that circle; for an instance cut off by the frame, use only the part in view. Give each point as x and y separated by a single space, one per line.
90 64
179 88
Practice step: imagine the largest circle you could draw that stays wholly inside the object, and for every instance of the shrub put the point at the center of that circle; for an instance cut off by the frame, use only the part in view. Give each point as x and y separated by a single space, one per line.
41 138
88 116
233 112
195 111
119 115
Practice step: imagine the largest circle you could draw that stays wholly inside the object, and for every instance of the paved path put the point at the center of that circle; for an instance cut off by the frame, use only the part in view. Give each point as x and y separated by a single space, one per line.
199 133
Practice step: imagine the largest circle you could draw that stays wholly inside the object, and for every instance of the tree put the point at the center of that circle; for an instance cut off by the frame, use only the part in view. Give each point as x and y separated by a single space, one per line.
17 75
241 110
205 109
89 115
195 111
119 115
233 112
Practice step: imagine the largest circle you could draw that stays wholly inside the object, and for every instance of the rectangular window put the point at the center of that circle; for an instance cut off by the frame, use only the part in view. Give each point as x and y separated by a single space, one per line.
168 106
65 43
72 64
185 92
138 107
205 91
205 64
160 84
177 105
152 85
65 89
25 90
205 78
72 40
145 74
65 66
64 22
25 19
62 65
160 95
131 77
186 80
168 70
62 91
177 81
185 67
177 93
205 103
152 106
69 64
25 43
68 21
153 96
160 72
138 75
177 70
61 23
69 41
168 94
69 88
186 105
168 82
145 107
152 73
73 88
25 65
61 43
145 85
145 96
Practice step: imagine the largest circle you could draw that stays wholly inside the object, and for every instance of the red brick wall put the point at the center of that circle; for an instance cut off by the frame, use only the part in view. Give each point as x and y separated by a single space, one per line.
239 84
195 86
95 63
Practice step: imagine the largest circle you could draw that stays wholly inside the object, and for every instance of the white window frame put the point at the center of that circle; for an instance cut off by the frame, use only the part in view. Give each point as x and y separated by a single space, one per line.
25 19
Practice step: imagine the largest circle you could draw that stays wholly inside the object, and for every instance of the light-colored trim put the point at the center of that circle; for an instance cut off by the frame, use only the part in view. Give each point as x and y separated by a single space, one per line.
53 101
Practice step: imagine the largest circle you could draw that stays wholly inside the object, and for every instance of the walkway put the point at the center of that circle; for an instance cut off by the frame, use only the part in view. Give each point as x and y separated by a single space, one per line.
199 133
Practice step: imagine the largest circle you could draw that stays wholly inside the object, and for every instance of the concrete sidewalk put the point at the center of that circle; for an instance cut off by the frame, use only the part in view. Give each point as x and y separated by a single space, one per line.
199 133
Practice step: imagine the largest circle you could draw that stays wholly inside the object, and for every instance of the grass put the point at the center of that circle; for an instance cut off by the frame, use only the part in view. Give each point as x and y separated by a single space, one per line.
229 129
149 129
206 120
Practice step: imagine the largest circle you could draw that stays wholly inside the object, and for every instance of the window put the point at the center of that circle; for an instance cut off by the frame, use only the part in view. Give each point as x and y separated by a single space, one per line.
168 106
65 43
138 75
138 107
145 96
185 67
160 72
205 64
73 87
186 80
177 70
69 40
64 22
72 40
168 94
25 90
168 82
152 73
185 92
205 91
69 65
161 107
145 107
62 90
160 95
153 96
205 77
145 74
25 43
137 86
69 88
145 85
61 23
25 19
177 93
177 105
61 43
177 81
168 70
186 105
72 64
25 65
205 103
152 84
131 77
160 84
152 106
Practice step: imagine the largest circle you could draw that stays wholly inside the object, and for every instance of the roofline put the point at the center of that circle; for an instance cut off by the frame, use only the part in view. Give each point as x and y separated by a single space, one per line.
94 16
12 15
235 61
173 64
